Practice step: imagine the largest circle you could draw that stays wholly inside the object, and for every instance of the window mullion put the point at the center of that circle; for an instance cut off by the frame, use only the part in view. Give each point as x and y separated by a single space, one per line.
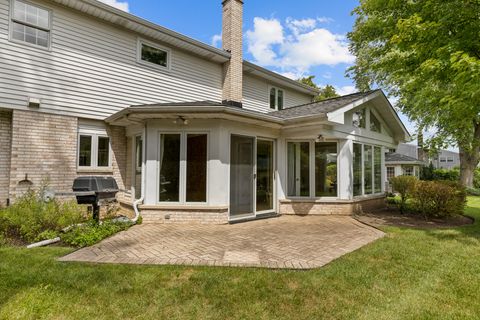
31 25
94 160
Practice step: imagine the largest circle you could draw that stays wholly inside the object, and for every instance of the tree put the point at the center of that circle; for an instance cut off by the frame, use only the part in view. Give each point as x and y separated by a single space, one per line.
326 92
427 53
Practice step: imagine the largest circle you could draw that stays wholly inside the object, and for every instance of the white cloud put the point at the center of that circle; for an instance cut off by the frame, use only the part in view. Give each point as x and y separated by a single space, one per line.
265 34
345 90
327 75
122 5
297 47
217 40
324 20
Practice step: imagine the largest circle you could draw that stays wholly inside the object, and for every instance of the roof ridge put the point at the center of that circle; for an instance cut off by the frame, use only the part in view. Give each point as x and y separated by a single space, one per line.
328 99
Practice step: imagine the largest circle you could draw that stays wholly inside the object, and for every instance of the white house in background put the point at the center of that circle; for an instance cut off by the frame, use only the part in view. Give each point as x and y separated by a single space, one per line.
401 165
446 160
193 132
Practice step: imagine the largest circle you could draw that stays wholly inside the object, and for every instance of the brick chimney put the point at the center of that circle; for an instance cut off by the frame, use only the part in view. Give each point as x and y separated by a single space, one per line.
232 39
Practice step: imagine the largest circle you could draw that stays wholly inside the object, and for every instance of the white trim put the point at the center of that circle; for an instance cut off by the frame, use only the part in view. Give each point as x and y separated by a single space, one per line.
141 42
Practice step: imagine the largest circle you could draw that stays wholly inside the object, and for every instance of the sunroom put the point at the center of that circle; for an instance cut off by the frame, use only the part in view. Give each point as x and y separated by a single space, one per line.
212 163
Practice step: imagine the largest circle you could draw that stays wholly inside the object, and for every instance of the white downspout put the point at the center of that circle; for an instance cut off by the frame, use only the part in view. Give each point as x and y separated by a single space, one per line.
142 197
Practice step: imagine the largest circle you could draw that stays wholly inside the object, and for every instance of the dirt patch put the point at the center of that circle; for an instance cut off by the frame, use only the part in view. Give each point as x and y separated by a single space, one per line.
392 217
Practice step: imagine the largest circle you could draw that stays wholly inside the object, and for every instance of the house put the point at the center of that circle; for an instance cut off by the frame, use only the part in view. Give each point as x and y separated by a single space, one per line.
401 165
446 159
190 132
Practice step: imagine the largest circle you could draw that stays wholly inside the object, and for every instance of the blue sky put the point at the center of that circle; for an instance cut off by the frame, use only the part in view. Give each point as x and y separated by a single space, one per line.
294 38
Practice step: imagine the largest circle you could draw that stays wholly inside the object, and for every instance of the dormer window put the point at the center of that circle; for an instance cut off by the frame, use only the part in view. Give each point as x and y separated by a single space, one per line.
276 98
153 55
30 24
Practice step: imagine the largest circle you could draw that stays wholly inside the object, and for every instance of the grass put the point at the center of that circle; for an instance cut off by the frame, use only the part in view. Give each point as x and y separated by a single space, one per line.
409 274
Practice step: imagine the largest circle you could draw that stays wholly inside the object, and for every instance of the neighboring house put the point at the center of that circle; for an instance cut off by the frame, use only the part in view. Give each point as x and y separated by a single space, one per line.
401 165
193 132
446 160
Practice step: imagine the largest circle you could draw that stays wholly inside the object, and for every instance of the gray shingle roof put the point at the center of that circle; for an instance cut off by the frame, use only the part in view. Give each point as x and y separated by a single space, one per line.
396 157
321 107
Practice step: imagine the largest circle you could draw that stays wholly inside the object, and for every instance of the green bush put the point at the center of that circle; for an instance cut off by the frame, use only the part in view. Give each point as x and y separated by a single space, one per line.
439 198
405 186
473 191
31 218
476 178
91 233
446 175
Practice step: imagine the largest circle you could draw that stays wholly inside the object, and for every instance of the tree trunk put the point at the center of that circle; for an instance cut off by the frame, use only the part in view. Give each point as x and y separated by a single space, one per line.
469 158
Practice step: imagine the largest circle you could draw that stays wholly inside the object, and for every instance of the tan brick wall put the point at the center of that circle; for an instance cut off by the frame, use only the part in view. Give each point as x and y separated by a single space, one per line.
298 207
44 148
198 216
232 38
5 148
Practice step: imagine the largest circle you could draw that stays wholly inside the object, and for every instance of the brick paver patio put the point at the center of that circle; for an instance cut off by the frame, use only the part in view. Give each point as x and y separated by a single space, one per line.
286 242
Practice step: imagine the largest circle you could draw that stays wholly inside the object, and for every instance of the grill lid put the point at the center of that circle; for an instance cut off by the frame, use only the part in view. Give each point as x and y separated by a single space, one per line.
94 183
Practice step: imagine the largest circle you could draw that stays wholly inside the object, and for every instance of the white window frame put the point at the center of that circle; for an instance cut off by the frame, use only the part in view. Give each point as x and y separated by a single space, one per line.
182 196
382 165
276 97
386 172
95 134
311 170
141 42
12 20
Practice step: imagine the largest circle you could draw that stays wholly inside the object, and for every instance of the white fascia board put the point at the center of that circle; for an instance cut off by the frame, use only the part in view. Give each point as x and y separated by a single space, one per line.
338 116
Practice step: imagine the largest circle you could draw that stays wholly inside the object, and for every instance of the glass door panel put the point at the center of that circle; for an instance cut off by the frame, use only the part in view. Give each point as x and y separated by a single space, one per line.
138 167
241 176
264 175
169 168
298 154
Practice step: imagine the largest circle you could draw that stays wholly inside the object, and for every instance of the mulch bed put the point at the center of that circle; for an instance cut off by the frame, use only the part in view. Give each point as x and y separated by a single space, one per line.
391 217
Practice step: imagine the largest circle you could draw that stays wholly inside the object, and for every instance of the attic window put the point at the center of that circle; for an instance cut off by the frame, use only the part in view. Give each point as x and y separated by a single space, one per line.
276 98
153 55
374 123
359 118
30 24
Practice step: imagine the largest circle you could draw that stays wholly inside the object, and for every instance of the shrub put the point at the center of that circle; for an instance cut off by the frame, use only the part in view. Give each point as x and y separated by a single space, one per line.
91 232
30 217
446 175
439 198
405 186
476 178
473 191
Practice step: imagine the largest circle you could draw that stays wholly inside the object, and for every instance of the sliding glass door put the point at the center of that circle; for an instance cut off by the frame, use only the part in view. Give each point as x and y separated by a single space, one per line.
251 176
241 176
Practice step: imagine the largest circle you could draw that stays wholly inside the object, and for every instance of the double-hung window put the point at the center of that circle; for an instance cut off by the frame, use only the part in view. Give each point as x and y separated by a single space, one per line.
183 167
276 98
93 150
30 24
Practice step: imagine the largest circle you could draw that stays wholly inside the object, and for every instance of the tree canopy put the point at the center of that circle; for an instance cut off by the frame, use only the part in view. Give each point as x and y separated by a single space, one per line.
326 92
427 53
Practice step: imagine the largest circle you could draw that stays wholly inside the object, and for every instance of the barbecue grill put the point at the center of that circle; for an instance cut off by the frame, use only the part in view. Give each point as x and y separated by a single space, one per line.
95 191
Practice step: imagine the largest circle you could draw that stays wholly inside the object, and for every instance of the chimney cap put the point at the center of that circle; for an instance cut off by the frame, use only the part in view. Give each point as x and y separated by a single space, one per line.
223 1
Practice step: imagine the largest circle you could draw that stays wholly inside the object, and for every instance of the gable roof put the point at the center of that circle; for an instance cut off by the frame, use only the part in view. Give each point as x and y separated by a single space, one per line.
397 158
320 107
154 31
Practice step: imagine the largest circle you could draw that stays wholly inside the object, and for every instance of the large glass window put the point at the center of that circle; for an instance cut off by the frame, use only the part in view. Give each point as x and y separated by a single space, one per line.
357 170
264 175
359 118
368 169
298 169
30 24
374 123
378 169
196 168
169 168
325 169
93 151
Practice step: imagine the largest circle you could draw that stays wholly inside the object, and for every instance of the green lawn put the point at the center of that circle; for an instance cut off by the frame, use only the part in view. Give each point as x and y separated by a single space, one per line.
409 274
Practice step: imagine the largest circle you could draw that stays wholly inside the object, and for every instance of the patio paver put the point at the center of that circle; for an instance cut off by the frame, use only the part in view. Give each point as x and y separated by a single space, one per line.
291 242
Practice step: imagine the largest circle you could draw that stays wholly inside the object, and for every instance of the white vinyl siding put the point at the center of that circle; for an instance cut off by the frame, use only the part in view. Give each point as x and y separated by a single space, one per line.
92 70
256 95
